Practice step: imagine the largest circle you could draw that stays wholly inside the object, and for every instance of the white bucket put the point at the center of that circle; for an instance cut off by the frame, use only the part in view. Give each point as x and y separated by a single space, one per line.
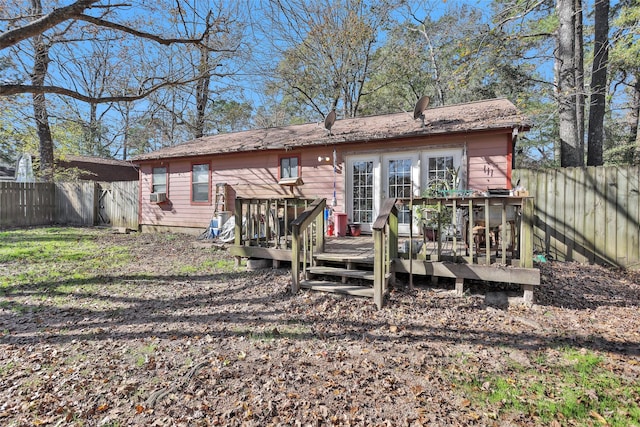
223 216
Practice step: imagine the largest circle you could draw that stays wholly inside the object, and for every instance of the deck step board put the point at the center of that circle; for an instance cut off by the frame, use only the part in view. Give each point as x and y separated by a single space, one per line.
342 272
345 258
341 288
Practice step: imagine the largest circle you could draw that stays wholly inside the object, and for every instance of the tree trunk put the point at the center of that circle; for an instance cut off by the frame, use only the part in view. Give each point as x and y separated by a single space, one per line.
634 135
202 88
93 137
40 67
436 68
570 154
579 58
597 104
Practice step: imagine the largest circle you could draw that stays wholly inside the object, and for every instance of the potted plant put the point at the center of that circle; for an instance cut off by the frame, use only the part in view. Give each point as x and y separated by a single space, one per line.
431 218
354 228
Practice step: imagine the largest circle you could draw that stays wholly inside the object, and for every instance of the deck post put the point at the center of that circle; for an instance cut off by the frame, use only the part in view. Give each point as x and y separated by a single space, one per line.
526 244
503 233
487 232
528 294
385 231
378 269
237 228
392 251
454 221
526 240
459 286
295 258
303 222
470 239
320 233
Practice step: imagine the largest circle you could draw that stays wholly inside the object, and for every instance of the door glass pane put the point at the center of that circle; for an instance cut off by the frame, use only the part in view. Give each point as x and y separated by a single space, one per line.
363 191
399 185
441 174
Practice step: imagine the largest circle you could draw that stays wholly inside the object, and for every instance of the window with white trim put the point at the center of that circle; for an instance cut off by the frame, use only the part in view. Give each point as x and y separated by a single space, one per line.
200 183
289 167
159 180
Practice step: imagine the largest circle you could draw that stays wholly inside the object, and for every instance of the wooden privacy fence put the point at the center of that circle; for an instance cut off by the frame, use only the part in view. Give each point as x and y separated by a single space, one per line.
118 204
589 215
84 203
26 204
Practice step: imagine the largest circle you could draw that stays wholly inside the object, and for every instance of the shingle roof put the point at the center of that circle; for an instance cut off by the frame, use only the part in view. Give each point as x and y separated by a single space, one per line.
101 169
96 160
474 116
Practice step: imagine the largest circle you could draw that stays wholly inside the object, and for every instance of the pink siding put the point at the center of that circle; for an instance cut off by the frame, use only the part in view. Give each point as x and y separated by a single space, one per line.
489 162
257 174
178 211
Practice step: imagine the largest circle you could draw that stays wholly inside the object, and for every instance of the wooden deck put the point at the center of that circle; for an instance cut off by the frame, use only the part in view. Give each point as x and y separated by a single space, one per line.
370 263
358 252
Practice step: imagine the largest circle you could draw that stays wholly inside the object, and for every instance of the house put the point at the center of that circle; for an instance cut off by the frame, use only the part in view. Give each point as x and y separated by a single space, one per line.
354 167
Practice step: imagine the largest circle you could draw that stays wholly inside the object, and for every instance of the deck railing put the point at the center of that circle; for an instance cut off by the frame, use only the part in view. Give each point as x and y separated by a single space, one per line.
475 230
307 238
266 223
385 246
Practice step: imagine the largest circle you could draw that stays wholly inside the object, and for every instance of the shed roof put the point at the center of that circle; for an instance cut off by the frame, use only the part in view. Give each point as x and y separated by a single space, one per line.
100 168
490 114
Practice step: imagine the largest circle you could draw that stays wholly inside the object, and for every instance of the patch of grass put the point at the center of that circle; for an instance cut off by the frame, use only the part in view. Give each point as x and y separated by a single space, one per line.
45 257
7 369
143 353
188 269
46 245
577 389
209 266
223 265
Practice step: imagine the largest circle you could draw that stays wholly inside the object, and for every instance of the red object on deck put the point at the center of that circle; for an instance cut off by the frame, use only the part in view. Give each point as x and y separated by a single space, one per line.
330 229
340 224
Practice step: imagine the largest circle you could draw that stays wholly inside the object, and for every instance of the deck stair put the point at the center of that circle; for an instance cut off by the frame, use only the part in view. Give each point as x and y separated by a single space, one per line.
351 274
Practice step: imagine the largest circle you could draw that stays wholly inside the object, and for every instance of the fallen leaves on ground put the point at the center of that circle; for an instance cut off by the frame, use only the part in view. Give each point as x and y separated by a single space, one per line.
237 348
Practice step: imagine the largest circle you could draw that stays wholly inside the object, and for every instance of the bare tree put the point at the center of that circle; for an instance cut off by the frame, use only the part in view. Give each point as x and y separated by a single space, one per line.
31 34
598 84
327 51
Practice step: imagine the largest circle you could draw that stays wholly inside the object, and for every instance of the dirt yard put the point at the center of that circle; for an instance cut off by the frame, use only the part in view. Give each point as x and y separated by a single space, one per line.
174 335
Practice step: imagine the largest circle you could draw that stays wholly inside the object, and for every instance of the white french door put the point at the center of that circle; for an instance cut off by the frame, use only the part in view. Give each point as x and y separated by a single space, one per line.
363 190
401 178
372 178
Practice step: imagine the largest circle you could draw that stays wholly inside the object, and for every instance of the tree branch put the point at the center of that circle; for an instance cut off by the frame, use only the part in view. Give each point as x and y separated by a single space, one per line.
160 40
9 90
40 25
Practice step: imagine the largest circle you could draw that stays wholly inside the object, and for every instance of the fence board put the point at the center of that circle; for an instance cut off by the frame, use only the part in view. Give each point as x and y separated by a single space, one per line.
578 251
633 213
622 206
590 213
587 214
